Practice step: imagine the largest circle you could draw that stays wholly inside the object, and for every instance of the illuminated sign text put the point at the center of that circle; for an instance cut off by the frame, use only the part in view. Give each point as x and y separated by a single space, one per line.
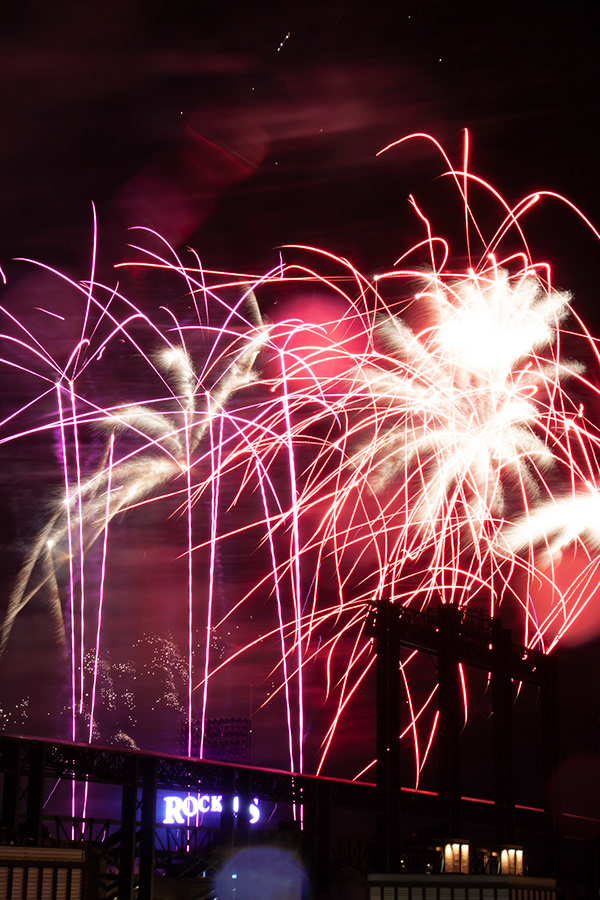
180 810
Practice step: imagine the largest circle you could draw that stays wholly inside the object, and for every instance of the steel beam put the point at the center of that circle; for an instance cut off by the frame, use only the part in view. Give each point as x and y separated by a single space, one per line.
503 733
387 634
148 829
451 716
128 848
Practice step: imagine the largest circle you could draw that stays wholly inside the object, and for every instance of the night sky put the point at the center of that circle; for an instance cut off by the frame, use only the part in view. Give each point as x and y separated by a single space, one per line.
235 129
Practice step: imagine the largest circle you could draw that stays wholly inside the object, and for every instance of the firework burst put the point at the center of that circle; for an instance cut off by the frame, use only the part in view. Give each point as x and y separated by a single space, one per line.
417 446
